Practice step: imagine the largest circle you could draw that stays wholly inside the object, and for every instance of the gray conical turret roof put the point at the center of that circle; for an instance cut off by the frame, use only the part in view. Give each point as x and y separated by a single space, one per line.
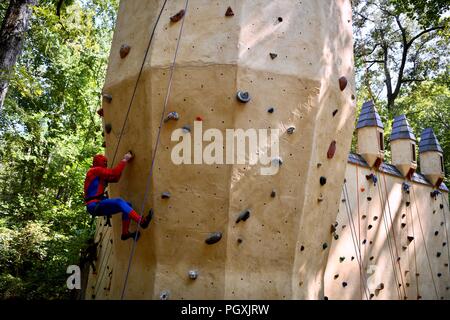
401 129
429 142
369 116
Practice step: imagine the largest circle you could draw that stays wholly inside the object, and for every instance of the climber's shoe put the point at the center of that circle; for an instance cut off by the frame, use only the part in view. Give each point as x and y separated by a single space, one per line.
130 235
147 219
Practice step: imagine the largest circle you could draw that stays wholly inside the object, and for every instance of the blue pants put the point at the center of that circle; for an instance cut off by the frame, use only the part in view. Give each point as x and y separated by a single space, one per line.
109 207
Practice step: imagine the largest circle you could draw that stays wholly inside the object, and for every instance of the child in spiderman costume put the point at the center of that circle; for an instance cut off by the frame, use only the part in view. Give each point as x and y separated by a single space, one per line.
97 204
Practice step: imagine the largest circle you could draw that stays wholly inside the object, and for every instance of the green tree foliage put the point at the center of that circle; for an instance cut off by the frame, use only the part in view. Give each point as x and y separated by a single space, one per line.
48 134
402 58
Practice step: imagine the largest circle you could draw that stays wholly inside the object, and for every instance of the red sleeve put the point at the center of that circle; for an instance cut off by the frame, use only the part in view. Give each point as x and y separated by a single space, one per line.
111 175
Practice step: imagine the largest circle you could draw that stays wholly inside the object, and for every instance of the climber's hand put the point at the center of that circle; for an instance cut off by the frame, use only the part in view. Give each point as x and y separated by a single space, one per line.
128 156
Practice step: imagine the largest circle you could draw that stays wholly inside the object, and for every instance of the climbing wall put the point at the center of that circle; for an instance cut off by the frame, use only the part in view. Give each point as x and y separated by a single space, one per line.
390 239
295 60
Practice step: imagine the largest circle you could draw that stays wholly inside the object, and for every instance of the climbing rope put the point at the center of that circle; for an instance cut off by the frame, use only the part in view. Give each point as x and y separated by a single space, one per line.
388 238
150 41
414 248
166 101
424 242
354 240
102 267
393 234
359 226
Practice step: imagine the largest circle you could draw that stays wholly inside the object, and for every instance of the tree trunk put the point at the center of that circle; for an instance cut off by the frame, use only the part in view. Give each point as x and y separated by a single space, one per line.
12 33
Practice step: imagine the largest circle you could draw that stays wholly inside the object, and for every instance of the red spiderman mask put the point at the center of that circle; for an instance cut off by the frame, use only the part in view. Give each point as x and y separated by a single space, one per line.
100 161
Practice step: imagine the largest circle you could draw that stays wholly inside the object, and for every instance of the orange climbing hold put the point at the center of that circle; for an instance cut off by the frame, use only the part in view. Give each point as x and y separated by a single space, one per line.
177 17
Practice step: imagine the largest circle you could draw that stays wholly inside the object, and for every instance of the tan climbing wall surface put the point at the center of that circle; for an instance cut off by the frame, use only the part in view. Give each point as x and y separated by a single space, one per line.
293 56
401 235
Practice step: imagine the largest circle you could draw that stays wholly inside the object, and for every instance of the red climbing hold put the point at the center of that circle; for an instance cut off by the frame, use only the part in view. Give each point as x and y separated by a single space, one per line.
198 118
177 17
331 150
124 50
343 83
229 12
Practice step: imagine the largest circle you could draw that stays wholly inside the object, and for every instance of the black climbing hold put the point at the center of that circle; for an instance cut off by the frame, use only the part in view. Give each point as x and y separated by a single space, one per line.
280 19
335 112
369 227
186 128
107 97
410 239
369 198
336 276
332 228
438 254
442 223
214 238
290 130
344 284
193 274
341 259
363 216
353 258
271 110
408 203
444 244
364 241
164 295
436 233
439 274
100 112
371 258
177 17
243 216
239 240
370 242
229 12
405 187
108 128
124 50
336 237
404 248
375 218
403 216
302 248
273 194
323 181
403 225
165 195
371 295
243 96
324 246
273 55
325 298
398 259
278 161
441 206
